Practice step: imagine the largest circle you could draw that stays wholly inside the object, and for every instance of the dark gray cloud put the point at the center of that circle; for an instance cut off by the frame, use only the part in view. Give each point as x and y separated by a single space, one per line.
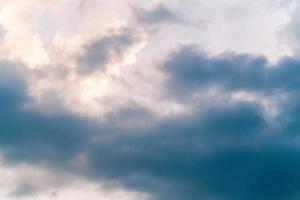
163 15
223 152
112 48
191 71
158 14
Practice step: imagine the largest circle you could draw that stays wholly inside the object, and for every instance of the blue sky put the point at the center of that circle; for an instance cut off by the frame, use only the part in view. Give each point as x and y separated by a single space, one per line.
149 100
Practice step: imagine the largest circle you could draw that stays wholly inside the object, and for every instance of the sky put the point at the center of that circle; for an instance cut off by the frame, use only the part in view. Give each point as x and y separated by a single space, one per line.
149 100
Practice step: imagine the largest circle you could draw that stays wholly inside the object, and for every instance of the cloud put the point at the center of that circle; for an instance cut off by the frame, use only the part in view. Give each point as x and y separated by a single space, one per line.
24 182
224 151
235 138
111 49
161 15
191 71
158 14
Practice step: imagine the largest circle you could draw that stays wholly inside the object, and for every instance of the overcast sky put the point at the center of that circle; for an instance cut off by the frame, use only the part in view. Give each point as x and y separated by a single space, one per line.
149 100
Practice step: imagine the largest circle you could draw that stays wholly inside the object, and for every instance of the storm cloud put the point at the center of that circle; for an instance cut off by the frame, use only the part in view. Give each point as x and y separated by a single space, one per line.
187 125
226 151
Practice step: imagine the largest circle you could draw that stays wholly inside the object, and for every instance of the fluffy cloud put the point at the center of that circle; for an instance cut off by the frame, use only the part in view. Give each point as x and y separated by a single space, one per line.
220 150
113 115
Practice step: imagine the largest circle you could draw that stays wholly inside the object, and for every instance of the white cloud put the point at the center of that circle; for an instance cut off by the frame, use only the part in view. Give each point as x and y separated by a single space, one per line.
242 26
27 182
51 35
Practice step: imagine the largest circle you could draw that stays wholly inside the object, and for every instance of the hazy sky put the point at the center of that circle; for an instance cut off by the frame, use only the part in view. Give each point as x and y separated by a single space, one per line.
149 100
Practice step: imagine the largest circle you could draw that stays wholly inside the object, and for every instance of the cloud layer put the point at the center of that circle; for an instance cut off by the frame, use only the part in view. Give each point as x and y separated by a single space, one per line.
127 114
